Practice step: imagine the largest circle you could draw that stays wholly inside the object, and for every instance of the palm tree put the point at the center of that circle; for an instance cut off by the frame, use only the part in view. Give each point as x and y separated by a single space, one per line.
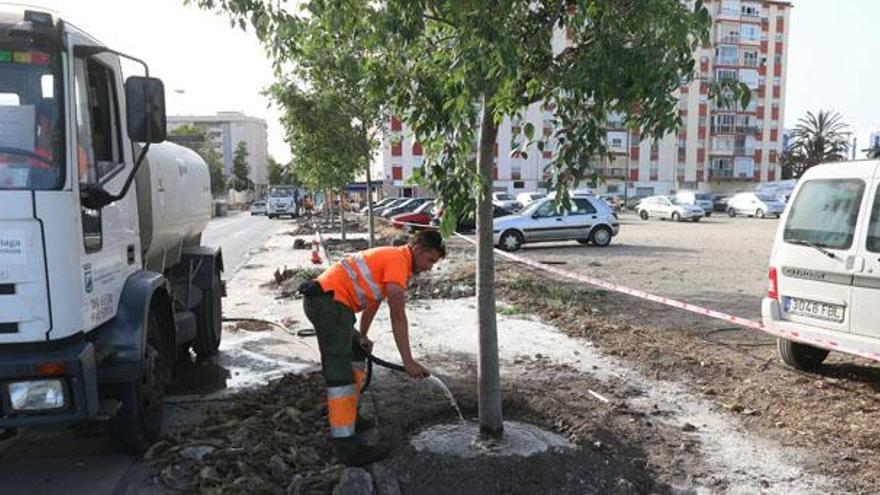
819 138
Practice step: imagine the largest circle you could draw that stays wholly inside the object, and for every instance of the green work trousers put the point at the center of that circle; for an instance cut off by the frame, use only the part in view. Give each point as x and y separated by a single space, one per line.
337 338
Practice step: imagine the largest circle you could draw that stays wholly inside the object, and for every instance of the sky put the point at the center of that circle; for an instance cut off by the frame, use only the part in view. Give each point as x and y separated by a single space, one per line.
207 66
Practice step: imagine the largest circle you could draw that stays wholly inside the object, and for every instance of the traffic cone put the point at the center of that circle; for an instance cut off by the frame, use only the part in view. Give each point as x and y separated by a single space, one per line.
316 257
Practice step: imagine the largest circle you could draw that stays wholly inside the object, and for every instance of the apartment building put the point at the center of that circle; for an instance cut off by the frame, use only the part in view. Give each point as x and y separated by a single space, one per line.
224 131
716 149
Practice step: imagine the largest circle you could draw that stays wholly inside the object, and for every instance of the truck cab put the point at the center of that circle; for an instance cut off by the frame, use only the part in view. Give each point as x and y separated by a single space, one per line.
101 282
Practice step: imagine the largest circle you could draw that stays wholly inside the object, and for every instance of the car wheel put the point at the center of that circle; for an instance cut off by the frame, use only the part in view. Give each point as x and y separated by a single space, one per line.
676 217
510 241
643 214
601 236
731 212
800 356
760 213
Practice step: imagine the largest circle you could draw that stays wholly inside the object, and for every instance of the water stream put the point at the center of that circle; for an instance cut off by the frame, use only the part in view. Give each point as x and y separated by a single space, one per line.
448 393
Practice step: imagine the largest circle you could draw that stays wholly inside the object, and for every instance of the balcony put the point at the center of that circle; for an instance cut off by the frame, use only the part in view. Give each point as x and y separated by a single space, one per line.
727 61
744 150
721 173
612 172
731 39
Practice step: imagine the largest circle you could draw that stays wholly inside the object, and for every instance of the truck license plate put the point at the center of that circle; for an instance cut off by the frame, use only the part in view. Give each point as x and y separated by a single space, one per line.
813 309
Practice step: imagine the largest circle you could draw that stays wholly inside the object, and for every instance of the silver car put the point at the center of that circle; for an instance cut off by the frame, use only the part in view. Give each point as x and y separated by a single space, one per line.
668 207
590 220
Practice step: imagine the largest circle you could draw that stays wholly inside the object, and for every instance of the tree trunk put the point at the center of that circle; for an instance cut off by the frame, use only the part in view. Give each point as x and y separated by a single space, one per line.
342 213
370 219
491 424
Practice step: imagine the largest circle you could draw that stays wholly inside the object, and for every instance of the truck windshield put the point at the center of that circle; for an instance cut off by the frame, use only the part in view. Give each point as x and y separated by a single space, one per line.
31 117
281 192
825 213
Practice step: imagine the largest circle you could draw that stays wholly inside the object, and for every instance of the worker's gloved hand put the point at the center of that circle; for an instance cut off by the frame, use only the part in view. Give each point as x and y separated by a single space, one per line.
416 370
366 344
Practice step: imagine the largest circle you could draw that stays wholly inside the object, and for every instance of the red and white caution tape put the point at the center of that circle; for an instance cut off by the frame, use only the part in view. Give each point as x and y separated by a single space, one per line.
812 339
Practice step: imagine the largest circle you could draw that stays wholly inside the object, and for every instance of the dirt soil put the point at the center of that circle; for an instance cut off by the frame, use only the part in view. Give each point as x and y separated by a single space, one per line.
833 413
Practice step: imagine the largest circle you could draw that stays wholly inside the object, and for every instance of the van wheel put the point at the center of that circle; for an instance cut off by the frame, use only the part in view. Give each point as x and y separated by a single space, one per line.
138 422
731 212
759 213
510 241
800 356
643 214
676 217
601 237
209 319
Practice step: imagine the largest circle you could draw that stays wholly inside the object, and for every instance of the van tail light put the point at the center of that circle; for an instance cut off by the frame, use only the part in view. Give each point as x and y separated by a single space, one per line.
773 284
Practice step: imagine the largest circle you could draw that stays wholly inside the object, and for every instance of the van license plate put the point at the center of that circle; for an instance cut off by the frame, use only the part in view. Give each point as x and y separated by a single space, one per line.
813 309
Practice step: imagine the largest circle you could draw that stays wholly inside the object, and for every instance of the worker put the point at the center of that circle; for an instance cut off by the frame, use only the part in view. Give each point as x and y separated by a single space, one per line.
358 284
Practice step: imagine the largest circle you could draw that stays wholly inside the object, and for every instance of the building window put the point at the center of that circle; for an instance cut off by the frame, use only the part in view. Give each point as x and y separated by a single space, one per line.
518 184
751 10
417 149
725 74
726 55
397 172
750 58
779 37
749 77
749 32
396 148
396 125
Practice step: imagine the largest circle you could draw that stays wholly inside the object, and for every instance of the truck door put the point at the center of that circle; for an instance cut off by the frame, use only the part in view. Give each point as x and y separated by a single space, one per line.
866 279
110 236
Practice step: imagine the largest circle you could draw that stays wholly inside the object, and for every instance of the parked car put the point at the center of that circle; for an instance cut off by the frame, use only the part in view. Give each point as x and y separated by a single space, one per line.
467 222
719 202
259 208
391 204
755 204
696 198
405 207
632 204
613 200
506 201
377 205
668 207
590 220
825 266
528 198
420 216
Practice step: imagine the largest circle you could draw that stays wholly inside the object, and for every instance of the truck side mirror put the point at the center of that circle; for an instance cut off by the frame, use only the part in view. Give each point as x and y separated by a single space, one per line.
141 94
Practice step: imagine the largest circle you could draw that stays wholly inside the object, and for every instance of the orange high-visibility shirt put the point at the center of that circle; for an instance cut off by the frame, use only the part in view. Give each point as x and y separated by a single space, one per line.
361 280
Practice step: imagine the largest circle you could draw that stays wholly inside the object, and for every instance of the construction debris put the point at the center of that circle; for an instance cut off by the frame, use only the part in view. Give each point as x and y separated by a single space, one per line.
288 280
271 439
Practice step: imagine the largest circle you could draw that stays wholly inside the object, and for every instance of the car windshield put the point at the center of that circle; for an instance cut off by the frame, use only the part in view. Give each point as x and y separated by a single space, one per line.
531 208
31 116
825 213
674 200
767 197
503 197
703 197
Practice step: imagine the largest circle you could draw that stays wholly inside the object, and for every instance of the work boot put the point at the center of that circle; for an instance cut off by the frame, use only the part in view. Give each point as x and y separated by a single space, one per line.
353 452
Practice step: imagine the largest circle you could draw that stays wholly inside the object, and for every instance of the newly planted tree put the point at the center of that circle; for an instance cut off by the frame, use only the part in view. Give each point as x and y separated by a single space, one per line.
454 70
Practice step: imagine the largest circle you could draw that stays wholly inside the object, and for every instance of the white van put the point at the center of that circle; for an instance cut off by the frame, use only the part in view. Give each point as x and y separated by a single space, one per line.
825 267
696 198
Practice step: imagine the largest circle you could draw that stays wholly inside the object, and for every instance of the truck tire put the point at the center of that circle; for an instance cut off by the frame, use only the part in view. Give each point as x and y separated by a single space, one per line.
138 422
209 319
800 356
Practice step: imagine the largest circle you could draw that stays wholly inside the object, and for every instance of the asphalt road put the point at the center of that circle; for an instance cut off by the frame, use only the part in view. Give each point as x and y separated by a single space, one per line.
83 459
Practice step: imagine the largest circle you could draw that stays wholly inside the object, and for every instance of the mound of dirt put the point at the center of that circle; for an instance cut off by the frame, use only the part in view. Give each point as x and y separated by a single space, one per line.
455 282
287 280
337 246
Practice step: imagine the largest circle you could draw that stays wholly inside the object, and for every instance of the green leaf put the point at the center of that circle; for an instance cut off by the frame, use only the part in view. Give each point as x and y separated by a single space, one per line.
529 130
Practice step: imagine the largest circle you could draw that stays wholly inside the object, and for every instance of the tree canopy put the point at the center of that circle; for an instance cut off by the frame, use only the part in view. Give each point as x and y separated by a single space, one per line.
240 168
818 138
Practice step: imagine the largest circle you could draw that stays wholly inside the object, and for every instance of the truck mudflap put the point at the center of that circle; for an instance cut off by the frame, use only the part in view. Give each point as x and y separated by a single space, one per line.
43 387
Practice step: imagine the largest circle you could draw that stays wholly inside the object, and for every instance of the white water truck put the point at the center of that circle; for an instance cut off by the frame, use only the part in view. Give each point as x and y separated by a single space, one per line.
103 281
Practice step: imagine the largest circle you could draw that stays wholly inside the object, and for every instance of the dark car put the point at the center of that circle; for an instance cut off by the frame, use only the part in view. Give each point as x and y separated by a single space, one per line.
405 207
391 204
467 222
719 202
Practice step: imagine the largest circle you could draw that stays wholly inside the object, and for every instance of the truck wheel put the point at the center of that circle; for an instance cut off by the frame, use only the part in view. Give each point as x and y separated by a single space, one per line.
138 422
800 356
209 318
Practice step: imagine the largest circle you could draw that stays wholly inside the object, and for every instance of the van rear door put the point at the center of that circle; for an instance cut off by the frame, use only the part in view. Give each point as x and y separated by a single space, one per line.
814 257
866 279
